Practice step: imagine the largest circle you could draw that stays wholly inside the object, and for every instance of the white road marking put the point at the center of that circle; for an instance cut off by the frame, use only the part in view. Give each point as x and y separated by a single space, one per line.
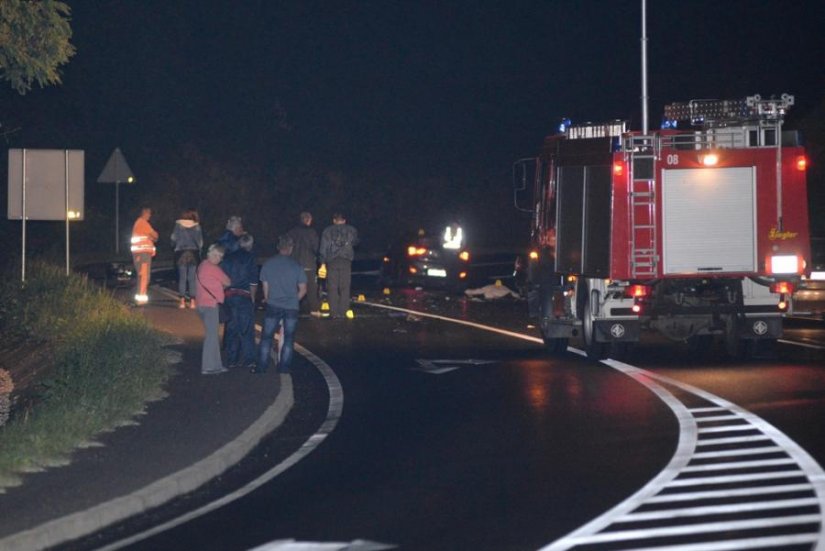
334 411
802 344
728 453
292 545
670 487
721 509
691 529
731 492
747 544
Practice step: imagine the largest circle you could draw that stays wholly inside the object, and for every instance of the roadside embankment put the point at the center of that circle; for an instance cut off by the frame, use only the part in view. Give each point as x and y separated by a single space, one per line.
78 361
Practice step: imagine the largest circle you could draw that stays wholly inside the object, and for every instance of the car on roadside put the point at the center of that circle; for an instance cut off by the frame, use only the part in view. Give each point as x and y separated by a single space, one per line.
425 261
113 274
809 297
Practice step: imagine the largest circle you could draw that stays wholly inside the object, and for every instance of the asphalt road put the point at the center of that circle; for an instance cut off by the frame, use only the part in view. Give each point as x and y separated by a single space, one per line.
455 437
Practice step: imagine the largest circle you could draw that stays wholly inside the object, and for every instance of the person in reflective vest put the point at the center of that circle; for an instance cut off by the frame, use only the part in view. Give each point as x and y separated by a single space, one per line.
453 237
144 237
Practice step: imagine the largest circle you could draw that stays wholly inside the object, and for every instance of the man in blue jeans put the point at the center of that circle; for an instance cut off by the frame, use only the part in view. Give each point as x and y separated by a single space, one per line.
239 332
284 284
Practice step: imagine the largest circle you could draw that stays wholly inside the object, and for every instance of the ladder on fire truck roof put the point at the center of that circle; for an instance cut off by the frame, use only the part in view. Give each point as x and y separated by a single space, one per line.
721 113
641 152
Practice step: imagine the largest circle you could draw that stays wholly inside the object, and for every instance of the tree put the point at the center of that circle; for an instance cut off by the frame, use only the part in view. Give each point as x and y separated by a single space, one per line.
34 42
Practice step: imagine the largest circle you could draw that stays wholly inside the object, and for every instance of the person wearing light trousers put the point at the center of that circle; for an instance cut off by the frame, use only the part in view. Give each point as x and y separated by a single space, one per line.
211 281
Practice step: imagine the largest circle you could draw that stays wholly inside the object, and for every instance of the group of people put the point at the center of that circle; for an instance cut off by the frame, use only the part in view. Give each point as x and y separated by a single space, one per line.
227 278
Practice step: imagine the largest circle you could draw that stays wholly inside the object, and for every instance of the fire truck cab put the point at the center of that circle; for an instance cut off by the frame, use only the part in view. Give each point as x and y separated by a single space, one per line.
697 230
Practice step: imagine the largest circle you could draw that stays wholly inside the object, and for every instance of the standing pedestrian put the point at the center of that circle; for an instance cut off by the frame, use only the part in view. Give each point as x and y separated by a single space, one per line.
144 237
306 254
337 242
211 281
239 339
229 238
285 284
187 240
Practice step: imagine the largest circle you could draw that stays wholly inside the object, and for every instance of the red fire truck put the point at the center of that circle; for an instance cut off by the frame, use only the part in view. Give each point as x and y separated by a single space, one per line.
695 231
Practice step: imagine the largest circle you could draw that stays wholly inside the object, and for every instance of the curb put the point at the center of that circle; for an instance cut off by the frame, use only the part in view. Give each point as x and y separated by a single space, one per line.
77 525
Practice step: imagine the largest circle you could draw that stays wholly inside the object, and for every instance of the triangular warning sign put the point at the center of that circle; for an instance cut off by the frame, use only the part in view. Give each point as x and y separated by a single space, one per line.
116 169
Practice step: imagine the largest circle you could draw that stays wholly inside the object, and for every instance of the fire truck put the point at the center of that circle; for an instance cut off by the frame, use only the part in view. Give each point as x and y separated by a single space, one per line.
697 231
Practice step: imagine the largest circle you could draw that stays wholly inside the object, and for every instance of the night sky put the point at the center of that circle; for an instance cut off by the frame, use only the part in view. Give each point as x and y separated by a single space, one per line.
423 87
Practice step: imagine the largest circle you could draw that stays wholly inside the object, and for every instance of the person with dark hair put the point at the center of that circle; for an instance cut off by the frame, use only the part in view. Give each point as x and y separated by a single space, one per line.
187 241
284 284
211 281
239 337
337 242
144 237
306 254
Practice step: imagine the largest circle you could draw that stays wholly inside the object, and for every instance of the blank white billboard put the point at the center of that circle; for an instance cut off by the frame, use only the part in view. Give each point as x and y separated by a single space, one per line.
48 172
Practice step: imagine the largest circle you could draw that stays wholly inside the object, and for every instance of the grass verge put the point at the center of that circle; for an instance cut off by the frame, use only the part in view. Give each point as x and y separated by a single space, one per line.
105 363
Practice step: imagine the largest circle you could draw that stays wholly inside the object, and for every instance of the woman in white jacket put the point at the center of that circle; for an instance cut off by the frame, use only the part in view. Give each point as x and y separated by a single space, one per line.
187 240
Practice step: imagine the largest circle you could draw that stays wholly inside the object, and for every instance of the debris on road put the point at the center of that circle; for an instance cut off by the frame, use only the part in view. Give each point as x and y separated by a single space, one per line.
492 292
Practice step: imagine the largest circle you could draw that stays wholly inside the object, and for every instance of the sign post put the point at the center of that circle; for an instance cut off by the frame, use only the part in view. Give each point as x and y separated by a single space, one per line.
45 184
114 172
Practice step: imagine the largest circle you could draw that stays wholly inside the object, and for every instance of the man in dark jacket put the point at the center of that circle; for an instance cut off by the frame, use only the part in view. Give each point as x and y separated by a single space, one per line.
239 338
229 238
305 252
337 242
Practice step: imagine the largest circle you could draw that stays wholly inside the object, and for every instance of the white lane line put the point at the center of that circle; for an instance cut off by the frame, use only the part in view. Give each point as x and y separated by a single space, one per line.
334 410
802 344
734 492
687 444
458 321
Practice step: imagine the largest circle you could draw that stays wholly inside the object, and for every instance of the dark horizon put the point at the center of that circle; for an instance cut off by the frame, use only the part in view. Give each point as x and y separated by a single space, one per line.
444 97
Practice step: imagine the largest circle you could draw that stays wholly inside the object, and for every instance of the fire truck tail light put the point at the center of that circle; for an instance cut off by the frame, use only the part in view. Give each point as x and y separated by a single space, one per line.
782 287
710 159
462 275
618 169
784 264
637 291
802 163
464 255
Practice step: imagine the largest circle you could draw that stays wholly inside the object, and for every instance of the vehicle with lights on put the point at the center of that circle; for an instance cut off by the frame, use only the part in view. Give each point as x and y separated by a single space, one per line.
697 231
809 296
439 259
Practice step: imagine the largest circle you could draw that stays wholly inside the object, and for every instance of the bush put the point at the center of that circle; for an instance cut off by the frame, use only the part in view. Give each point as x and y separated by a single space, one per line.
107 364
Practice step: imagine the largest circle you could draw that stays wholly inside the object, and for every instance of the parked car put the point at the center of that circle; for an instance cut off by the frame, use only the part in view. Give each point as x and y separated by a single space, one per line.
109 274
809 298
425 261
